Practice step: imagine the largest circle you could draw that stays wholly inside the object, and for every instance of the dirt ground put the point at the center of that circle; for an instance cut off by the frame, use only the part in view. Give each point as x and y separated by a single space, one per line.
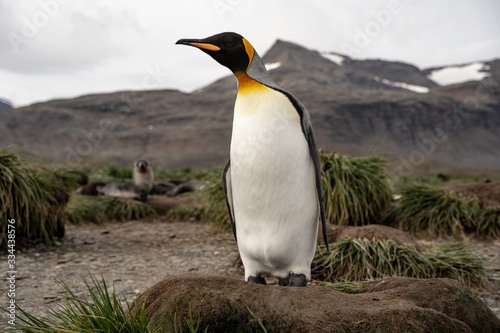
134 255
131 255
488 193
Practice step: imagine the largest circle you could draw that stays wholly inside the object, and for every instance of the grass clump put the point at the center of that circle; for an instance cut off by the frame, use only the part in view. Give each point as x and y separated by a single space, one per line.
116 172
100 312
213 207
362 259
488 223
91 209
85 209
357 191
440 213
186 173
457 261
125 210
34 197
355 259
216 209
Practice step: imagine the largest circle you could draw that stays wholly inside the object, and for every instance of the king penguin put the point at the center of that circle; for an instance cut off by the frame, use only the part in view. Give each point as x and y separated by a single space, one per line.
272 182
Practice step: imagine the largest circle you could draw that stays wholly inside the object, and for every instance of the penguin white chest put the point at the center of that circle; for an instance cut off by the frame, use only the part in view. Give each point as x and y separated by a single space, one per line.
265 124
273 185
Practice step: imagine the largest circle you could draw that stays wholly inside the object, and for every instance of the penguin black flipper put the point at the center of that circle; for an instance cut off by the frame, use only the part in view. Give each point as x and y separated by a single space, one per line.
313 150
228 193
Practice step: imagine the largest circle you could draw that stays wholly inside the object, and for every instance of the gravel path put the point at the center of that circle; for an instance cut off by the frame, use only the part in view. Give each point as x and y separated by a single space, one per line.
134 255
131 255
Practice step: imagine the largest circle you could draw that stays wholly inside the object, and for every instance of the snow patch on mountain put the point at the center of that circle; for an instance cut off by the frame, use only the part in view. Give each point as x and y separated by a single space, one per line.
459 74
411 87
339 60
272 65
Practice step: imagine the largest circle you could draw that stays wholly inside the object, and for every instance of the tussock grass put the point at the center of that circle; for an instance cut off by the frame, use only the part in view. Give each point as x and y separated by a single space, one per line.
123 173
125 210
100 312
457 261
186 173
216 209
359 260
488 223
211 206
85 209
32 195
443 213
357 191
90 209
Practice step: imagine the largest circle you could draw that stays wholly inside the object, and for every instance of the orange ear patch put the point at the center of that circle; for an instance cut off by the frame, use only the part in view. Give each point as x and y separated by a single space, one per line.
250 51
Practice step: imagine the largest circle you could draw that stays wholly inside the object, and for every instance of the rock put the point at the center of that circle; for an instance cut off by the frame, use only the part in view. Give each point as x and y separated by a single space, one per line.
372 231
390 305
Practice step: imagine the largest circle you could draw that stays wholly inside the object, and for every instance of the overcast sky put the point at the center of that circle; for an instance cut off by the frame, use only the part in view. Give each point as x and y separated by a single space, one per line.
66 48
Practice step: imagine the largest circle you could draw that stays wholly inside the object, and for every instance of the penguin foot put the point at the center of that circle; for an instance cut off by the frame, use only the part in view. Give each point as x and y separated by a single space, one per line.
284 282
297 280
257 280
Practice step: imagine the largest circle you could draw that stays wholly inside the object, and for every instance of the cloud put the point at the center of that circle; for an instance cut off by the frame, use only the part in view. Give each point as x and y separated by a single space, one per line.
88 46
55 36
430 34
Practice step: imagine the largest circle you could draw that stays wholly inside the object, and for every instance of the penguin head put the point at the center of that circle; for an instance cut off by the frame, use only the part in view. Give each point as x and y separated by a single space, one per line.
228 48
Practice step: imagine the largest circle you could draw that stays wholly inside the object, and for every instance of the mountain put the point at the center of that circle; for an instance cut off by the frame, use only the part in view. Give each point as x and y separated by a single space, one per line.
5 104
356 106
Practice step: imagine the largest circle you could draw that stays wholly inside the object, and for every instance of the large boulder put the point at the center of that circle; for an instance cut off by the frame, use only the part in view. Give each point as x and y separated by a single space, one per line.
222 304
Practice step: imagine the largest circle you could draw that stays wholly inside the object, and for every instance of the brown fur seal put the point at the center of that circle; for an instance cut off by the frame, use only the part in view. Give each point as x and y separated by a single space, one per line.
138 189
174 187
91 189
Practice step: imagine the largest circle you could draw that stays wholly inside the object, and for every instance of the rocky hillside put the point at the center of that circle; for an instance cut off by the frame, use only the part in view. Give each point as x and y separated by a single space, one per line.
356 106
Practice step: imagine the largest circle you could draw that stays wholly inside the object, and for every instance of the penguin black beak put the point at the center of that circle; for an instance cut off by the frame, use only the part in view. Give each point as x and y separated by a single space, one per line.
199 44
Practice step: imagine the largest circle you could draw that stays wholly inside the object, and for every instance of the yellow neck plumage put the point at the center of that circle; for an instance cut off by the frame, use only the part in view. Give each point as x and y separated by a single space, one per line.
245 83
